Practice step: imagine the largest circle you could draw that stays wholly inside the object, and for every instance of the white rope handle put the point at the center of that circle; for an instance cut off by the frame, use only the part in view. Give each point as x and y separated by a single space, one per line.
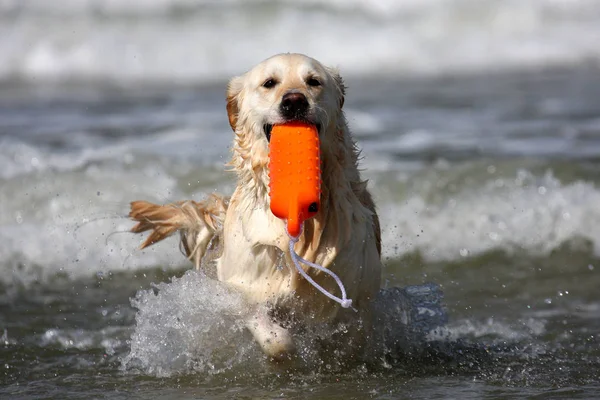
344 301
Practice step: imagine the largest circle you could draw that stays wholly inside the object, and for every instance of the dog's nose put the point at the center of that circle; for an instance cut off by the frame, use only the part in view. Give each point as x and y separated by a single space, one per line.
293 105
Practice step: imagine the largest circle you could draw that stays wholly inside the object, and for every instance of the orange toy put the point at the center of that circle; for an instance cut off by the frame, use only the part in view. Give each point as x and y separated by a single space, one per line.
295 173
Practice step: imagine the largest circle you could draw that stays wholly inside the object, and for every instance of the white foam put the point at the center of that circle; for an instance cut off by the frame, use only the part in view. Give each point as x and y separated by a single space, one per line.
526 213
204 40
108 339
20 158
64 212
193 324
63 222
490 329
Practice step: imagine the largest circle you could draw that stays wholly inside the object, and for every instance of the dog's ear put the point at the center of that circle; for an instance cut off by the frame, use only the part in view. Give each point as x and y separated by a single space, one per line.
339 85
233 93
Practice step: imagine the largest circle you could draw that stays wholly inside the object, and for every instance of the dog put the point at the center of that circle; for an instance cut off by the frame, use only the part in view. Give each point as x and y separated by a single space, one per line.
252 253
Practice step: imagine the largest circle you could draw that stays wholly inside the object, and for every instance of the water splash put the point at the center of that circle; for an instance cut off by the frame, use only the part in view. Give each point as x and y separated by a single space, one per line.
195 324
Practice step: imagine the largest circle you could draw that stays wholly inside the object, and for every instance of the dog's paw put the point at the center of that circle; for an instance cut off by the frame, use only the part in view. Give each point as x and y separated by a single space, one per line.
275 341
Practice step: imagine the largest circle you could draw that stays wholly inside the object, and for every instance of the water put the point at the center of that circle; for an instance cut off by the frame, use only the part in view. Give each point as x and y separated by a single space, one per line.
191 40
484 166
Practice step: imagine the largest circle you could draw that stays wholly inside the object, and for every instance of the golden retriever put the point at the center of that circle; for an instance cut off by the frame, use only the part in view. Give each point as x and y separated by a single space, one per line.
253 254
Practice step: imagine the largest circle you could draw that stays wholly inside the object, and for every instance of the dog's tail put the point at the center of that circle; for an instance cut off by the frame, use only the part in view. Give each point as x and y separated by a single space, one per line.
198 222
162 220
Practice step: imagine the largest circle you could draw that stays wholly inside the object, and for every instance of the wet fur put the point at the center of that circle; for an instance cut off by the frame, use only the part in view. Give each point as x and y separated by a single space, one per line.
344 236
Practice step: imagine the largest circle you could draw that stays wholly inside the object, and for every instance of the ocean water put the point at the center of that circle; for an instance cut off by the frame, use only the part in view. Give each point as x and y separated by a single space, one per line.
480 128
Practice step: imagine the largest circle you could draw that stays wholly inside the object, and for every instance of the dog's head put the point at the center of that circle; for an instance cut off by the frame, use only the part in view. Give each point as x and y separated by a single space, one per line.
288 88
284 88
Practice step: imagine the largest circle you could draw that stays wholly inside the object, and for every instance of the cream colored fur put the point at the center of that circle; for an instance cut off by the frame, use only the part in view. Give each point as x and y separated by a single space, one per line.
344 236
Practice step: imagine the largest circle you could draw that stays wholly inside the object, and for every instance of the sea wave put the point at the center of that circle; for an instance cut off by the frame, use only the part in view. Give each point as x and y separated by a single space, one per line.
73 223
178 41
527 213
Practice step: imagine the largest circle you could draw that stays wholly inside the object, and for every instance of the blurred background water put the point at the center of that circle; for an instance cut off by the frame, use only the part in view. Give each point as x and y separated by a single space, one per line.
479 122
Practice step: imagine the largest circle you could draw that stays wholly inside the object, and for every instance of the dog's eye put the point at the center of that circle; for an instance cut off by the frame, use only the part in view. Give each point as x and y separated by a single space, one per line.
313 82
269 83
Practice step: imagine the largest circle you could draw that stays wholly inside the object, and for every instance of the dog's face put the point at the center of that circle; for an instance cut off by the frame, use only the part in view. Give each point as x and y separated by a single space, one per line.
285 88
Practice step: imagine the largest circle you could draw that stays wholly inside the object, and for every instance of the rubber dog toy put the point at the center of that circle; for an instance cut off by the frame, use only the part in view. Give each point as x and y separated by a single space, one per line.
295 174
295 189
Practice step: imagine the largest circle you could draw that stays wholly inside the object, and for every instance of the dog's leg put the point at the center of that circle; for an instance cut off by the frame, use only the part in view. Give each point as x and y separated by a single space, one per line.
198 223
275 340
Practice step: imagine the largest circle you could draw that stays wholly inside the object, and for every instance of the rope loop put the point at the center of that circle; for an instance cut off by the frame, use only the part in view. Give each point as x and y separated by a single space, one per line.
343 301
